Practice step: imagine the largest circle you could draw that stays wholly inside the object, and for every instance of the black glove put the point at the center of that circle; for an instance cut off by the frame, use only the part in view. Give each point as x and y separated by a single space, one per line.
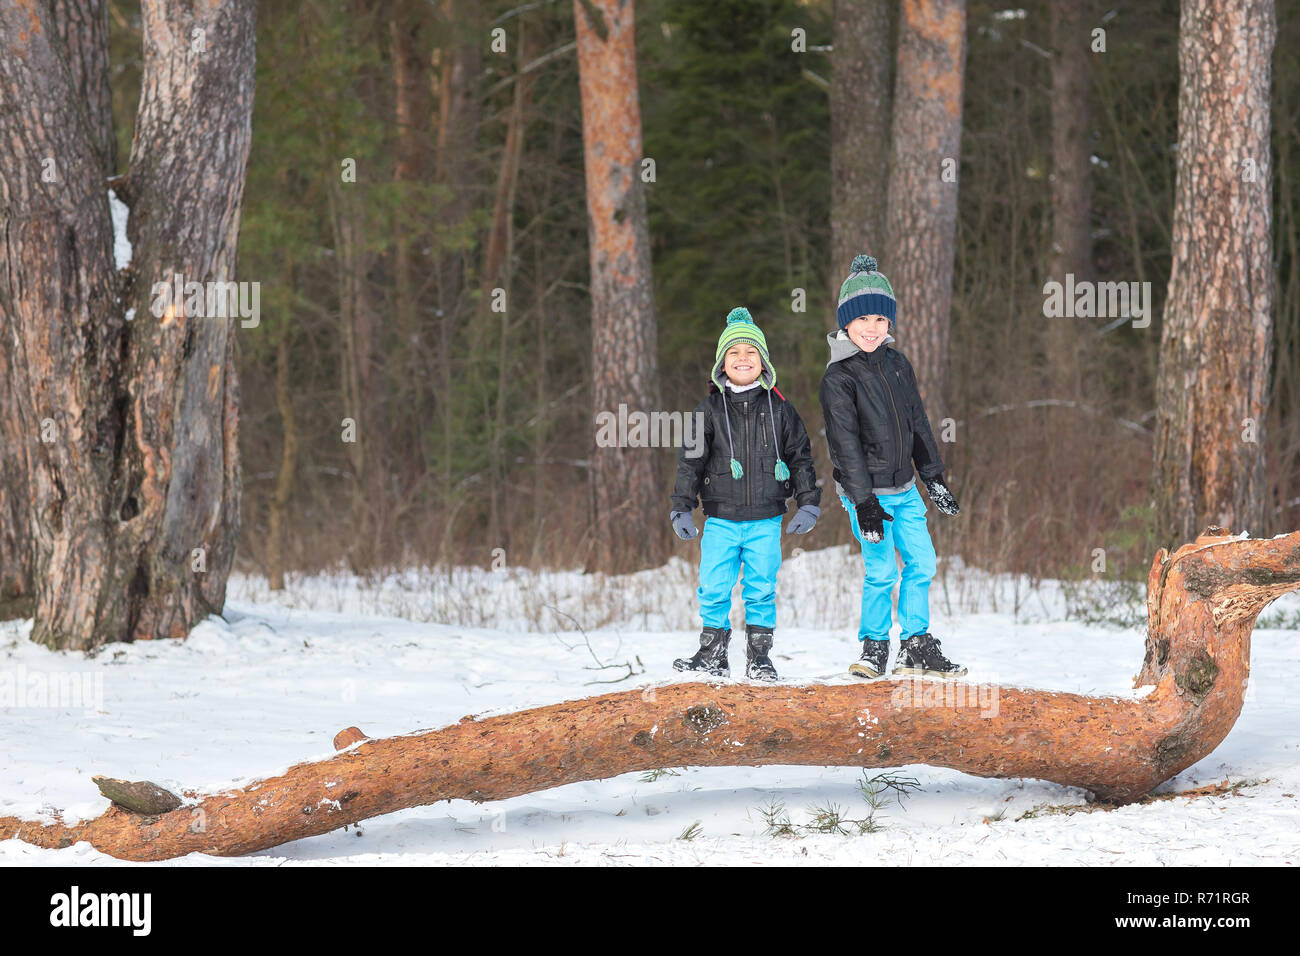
943 498
684 525
871 519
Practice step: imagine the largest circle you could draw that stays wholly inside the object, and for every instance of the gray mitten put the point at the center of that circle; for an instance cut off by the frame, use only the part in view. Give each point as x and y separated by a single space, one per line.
684 525
804 520
943 498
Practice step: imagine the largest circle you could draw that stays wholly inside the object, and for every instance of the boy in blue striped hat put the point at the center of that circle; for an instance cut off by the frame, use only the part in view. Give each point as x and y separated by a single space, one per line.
877 430
756 455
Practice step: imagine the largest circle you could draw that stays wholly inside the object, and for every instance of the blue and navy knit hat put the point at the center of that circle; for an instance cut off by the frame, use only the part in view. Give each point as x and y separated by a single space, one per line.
865 292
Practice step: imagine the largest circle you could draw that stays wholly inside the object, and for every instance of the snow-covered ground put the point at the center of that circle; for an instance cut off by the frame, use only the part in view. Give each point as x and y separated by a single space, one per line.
271 684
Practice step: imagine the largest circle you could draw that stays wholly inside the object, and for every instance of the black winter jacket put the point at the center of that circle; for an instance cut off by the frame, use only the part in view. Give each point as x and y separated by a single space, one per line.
757 494
875 424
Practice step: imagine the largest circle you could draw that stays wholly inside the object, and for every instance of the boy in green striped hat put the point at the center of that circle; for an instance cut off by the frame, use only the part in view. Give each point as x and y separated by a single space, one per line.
756 455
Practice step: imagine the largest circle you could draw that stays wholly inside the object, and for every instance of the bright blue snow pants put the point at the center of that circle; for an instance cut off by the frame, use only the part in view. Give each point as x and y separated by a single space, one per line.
907 533
724 547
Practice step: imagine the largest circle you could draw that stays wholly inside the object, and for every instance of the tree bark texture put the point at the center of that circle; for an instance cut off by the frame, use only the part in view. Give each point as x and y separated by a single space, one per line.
921 220
1216 340
862 62
128 430
627 498
82 27
1071 248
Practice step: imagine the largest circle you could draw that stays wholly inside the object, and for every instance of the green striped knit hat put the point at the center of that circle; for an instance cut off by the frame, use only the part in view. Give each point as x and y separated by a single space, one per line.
865 292
741 328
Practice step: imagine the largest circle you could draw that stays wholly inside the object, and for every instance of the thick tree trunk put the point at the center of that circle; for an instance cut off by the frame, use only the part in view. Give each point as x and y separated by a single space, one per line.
1212 390
921 221
62 324
1071 248
131 456
1202 604
181 450
629 518
82 28
860 100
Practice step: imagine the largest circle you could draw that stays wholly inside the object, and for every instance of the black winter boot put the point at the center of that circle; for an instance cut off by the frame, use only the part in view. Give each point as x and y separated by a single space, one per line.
920 656
712 655
758 642
875 655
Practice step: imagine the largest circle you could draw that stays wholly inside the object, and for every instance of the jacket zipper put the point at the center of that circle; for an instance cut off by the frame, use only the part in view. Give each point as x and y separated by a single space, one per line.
748 449
898 426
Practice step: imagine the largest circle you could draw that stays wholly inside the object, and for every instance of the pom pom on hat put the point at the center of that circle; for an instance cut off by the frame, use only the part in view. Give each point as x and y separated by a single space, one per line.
740 314
865 292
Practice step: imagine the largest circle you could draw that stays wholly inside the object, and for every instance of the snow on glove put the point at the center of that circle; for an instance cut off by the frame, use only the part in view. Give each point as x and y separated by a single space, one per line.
684 525
804 520
871 519
942 497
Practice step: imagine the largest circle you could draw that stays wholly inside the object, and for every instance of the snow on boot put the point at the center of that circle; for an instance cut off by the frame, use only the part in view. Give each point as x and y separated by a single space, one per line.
875 654
712 655
758 642
901 660
920 656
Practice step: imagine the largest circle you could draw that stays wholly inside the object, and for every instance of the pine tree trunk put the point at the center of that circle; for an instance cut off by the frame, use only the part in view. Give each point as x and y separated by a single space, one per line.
1202 603
1212 390
132 480
629 503
860 101
921 221
1071 249
82 27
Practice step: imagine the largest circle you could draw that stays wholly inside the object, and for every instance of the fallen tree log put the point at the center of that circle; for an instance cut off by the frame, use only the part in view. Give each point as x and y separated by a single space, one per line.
1202 604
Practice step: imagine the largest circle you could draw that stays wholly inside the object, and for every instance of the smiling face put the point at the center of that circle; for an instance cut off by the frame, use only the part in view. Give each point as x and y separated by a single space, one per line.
742 363
868 331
